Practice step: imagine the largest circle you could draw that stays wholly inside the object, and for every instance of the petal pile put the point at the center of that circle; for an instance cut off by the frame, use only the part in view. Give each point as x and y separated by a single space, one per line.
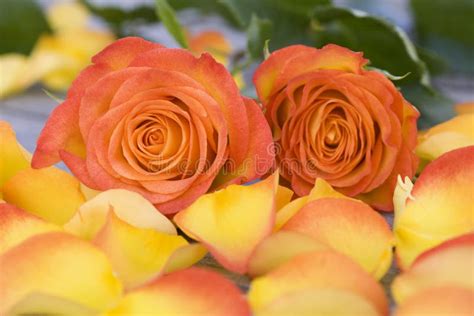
193 291
231 222
321 281
140 242
437 208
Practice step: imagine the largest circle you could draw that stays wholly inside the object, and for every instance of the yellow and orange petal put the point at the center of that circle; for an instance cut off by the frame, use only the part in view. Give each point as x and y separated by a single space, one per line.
447 300
448 264
348 226
439 206
141 254
279 248
231 222
464 108
192 291
456 133
50 193
13 157
59 265
320 270
129 206
17 225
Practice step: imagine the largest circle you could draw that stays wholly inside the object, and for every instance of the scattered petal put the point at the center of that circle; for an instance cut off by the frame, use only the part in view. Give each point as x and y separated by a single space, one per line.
13 157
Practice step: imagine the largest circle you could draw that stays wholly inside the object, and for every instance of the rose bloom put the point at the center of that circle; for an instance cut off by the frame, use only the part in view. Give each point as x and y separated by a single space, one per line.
333 119
157 121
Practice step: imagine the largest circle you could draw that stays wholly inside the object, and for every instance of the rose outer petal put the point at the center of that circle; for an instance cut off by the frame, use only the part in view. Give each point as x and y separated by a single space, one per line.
448 264
59 265
440 206
189 292
320 270
232 222
348 226
140 254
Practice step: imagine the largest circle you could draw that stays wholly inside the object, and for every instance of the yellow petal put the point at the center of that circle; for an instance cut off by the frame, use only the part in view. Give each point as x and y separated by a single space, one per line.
130 207
448 264
283 197
188 292
349 226
288 211
67 15
327 302
17 225
140 254
440 206
13 68
320 270
50 193
464 108
59 265
13 157
232 222
279 248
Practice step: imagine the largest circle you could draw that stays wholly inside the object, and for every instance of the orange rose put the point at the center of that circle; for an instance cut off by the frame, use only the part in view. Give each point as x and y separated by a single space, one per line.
333 119
157 121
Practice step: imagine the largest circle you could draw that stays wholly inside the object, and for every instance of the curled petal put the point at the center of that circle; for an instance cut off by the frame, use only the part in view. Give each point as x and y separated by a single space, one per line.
279 248
59 265
193 291
447 300
13 157
49 193
17 225
140 254
350 227
320 270
129 206
448 264
438 208
232 222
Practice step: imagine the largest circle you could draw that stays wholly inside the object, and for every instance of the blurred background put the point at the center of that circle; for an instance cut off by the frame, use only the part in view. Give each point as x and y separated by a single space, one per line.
425 46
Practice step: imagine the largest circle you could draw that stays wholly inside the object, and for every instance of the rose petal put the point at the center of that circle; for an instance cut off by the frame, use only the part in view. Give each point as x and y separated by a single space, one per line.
445 300
232 222
279 248
13 157
448 264
59 265
334 302
464 108
193 291
314 271
129 206
283 197
17 225
140 254
350 227
440 206
50 193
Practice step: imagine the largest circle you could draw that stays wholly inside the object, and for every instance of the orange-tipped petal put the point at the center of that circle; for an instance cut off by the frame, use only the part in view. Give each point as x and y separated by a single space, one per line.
17 225
449 301
456 133
279 248
189 292
140 254
348 226
129 206
448 264
13 157
49 193
321 189
232 222
328 302
325 270
438 208
59 265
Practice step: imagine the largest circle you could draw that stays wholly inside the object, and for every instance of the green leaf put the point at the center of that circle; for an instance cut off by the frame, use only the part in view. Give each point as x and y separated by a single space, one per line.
384 44
168 17
21 24
258 32
433 106
52 96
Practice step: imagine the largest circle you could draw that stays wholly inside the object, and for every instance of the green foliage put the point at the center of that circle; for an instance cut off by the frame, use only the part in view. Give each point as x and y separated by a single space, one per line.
258 32
169 20
21 24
